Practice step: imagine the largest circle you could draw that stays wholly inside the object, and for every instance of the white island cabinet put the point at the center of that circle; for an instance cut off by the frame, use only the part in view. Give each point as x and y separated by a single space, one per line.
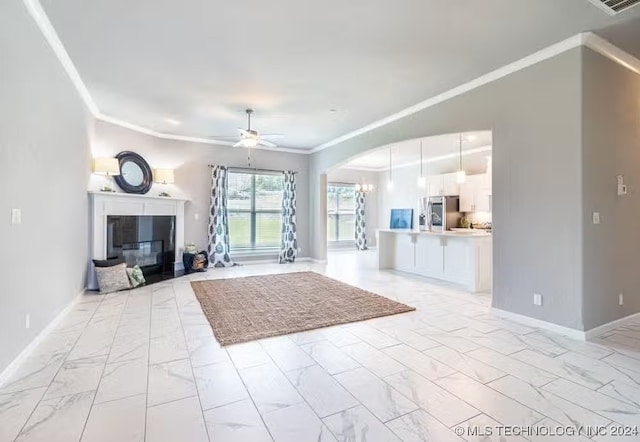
461 258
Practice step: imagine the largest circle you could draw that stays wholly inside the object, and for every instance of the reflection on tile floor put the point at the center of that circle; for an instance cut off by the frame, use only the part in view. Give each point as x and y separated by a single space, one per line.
143 365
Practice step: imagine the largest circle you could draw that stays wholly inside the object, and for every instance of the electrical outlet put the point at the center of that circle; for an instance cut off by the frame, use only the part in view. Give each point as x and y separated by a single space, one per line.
537 299
196 216
16 216
622 189
27 321
596 218
621 298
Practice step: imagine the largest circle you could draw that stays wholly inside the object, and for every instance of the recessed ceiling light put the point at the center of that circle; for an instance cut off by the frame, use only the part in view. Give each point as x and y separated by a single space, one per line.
172 121
333 111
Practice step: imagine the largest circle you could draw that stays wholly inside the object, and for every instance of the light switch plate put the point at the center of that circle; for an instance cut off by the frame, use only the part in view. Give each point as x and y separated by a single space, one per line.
596 217
16 216
622 189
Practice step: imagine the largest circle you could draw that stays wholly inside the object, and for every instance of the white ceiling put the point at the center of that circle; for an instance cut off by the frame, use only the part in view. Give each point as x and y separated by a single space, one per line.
202 62
433 149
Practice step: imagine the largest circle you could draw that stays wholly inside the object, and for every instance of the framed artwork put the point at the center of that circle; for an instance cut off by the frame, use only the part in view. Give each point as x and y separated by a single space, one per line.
401 219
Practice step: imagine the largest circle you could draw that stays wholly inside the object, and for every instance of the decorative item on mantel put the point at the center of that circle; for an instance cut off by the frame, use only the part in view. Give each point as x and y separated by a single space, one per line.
164 177
135 173
107 167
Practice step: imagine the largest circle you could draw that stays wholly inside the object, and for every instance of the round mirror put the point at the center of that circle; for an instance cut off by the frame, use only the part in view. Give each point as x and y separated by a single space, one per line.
135 173
131 173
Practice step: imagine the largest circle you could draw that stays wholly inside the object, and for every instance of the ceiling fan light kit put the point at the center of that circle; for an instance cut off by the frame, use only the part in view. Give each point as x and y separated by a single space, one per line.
249 137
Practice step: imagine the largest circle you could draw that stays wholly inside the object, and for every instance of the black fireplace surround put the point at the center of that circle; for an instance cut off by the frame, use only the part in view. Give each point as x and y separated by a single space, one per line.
145 241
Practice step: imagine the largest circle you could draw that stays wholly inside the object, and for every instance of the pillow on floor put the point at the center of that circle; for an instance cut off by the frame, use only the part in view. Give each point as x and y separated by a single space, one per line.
112 279
136 277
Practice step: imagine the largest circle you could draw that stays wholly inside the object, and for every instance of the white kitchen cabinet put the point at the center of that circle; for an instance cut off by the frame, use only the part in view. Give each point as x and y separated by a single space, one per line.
458 258
443 185
429 257
475 194
450 186
435 185
404 253
457 262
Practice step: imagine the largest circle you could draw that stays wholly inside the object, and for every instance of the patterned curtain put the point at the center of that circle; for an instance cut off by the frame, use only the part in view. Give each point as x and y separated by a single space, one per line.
218 220
361 236
289 245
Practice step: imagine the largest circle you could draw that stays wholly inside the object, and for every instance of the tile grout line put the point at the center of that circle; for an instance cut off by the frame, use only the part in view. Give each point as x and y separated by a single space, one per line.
95 394
248 392
386 384
283 373
146 398
61 365
193 373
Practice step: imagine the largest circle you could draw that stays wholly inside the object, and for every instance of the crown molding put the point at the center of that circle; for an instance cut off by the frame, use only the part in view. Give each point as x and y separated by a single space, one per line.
42 21
604 47
175 137
588 39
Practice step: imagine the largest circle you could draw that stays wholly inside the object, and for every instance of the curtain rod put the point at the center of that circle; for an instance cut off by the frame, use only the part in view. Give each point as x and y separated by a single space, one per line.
255 169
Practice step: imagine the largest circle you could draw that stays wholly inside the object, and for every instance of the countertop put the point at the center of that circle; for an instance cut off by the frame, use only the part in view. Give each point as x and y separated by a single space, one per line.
478 234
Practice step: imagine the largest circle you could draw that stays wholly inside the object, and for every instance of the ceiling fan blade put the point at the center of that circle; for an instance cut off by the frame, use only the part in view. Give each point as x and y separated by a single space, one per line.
274 135
223 137
238 144
267 143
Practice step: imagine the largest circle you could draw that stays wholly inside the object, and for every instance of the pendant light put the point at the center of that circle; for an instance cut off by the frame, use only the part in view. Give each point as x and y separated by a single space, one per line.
422 180
461 175
390 183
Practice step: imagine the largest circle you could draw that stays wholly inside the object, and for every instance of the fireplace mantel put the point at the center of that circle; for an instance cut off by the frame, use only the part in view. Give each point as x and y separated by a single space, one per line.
103 204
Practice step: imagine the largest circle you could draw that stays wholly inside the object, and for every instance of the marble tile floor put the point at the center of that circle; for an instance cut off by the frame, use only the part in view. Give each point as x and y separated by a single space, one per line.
143 365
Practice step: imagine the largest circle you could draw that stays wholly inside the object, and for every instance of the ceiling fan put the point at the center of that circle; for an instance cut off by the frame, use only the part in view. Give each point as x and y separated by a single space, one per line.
250 137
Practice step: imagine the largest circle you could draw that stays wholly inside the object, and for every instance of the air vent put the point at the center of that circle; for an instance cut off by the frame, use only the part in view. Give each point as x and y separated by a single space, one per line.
614 7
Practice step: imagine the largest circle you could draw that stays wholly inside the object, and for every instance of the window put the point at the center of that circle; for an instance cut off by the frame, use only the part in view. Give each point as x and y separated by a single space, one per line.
254 205
341 212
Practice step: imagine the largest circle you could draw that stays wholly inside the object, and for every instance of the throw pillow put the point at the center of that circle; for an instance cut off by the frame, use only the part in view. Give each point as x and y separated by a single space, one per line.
112 279
136 277
108 262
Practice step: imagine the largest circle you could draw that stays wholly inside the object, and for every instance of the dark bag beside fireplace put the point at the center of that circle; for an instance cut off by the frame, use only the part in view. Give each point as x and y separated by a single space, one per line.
195 262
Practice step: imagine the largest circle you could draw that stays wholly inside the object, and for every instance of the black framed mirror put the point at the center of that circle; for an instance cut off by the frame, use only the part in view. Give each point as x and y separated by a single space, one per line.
135 173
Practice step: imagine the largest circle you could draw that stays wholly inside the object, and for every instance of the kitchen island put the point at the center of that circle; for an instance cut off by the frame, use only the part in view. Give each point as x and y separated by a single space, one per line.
460 258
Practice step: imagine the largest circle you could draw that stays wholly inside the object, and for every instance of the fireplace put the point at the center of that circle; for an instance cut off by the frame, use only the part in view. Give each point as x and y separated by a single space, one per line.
145 241
146 230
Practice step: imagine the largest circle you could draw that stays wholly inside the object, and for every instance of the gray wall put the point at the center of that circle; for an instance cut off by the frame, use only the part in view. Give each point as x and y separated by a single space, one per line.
44 158
193 176
611 147
535 115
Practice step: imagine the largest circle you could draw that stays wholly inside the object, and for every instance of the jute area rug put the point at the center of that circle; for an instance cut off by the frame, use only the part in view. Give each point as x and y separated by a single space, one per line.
255 307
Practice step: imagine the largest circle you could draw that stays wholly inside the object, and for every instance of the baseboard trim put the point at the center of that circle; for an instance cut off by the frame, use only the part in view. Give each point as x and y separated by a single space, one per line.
269 261
570 332
24 354
539 323
597 331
